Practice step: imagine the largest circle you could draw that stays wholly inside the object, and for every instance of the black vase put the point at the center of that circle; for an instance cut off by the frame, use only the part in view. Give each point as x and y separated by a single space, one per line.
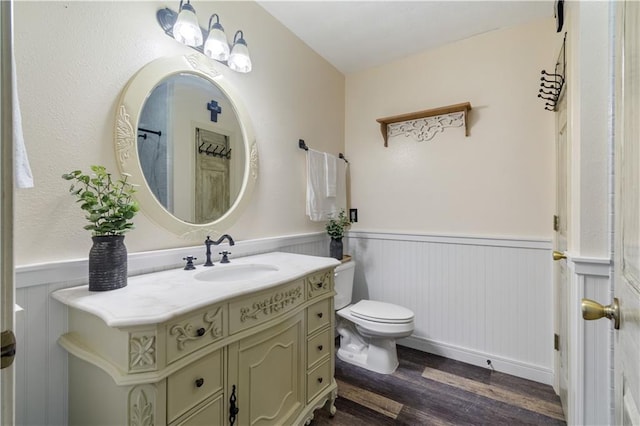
335 248
107 263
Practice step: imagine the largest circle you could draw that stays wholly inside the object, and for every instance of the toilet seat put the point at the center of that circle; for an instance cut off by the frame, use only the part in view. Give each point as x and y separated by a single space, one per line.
381 312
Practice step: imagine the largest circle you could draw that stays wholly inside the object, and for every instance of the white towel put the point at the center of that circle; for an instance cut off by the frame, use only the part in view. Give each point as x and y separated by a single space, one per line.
319 206
341 185
22 170
330 173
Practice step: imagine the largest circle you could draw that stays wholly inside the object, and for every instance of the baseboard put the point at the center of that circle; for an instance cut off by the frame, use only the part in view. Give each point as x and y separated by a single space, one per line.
503 365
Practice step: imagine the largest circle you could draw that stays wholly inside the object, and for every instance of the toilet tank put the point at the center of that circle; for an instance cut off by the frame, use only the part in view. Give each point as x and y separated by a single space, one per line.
344 283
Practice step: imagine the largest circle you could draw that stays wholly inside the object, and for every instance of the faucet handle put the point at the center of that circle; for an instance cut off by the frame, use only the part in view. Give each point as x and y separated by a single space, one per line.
224 254
189 264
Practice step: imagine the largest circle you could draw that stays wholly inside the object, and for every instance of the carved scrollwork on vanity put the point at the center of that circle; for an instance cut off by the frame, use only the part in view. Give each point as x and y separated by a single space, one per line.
319 283
189 332
271 305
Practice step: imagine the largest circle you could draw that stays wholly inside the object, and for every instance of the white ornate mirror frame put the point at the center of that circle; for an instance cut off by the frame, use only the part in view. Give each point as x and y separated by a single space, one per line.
127 117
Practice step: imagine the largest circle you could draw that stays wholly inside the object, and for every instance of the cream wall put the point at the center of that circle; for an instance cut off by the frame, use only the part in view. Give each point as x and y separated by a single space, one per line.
74 59
589 128
496 182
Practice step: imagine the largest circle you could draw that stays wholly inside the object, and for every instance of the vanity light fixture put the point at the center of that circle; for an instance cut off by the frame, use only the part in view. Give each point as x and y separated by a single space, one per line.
186 29
239 59
216 46
180 26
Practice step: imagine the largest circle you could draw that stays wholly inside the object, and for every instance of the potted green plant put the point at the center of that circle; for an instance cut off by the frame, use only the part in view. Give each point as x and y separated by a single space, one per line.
110 208
335 228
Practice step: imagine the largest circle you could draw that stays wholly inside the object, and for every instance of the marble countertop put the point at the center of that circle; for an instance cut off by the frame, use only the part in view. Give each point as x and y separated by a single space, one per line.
159 296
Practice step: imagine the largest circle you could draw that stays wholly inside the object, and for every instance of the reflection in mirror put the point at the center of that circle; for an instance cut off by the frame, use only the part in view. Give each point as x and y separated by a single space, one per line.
190 148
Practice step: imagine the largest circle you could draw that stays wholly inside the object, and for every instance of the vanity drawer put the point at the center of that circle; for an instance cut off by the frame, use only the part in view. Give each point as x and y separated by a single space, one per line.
318 379
193 332
318 347
319 283
211 413
267 305
318 315
193 384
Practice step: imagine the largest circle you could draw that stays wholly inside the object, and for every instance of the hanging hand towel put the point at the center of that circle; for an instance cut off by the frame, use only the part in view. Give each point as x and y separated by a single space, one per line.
319 206
330 174
341 185
22 170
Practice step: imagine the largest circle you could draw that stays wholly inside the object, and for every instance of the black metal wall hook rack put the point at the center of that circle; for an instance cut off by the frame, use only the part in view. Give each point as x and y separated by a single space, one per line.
217 151
551 84
303 145
145 131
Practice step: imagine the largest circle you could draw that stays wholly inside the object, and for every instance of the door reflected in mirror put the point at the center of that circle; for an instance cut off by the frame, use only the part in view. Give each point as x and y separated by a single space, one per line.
190 148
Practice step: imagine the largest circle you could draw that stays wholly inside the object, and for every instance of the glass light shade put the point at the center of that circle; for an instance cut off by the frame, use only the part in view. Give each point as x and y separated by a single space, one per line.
186 29
216 46
239 59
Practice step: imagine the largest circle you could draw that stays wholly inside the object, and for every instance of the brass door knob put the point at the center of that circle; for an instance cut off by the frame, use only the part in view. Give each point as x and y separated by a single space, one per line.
592 310
7 348
557 255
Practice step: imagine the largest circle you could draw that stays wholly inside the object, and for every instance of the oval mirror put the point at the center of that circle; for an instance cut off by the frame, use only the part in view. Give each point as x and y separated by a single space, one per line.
186 138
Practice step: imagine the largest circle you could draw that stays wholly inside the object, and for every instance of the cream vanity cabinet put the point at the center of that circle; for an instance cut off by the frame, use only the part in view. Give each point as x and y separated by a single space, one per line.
260 358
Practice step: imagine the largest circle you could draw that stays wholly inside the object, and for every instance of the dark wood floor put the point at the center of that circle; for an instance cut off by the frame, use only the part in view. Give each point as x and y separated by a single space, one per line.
431 390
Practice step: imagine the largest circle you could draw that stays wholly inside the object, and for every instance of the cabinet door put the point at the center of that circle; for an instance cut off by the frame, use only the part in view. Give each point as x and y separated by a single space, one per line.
268 372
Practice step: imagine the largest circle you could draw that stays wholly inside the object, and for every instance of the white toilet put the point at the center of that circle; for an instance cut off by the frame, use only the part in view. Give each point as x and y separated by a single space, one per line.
368 329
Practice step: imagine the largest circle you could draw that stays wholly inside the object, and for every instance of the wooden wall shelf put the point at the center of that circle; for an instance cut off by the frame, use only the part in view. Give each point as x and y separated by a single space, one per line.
463 107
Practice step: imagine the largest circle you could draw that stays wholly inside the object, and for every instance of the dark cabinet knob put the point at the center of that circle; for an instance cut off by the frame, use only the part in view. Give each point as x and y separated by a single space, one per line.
320 314
200 332
319 379
319 284
319 347
199 382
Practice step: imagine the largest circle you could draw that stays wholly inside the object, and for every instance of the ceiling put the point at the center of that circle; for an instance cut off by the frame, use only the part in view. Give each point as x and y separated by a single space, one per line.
356 35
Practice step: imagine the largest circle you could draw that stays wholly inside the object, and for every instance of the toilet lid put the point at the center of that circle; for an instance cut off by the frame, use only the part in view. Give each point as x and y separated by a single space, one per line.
372 310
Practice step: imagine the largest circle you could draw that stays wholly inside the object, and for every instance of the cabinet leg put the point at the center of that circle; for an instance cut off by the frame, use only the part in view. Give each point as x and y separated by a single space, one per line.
332 401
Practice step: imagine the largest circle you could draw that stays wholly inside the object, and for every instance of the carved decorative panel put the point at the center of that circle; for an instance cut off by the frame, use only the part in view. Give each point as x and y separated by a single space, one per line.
253 161
125 136
142 351
202 64
424 125
425 129
142 400
271 305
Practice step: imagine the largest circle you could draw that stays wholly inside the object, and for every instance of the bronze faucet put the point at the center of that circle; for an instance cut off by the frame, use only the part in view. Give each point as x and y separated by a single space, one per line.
208 242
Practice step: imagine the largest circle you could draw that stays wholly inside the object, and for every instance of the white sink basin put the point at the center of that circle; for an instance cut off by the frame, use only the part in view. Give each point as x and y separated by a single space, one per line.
236 272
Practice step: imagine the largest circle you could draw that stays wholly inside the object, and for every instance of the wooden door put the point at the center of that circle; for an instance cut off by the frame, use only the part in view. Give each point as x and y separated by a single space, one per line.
627 214
212 177
267 370
6 216
561 276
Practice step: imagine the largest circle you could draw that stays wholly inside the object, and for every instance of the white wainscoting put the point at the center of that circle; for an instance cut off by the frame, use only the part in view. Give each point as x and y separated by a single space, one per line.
41 365
590 345
474 299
